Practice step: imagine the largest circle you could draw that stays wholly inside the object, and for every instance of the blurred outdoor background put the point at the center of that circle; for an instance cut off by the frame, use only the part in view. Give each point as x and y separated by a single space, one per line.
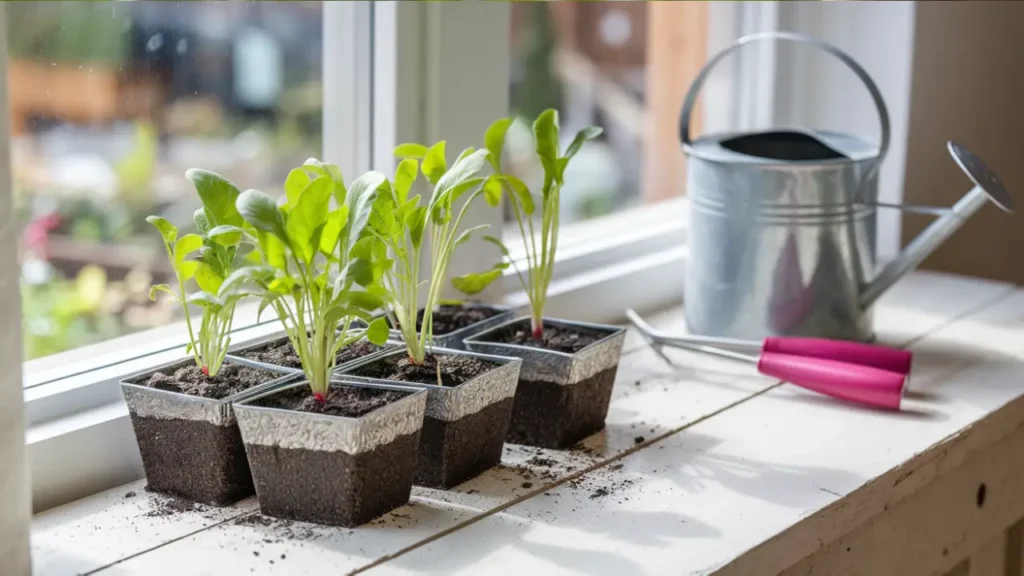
112 101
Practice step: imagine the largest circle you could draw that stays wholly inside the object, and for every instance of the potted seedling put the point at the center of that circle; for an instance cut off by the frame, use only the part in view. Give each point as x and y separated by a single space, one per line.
565 383
451 321
181 412
281 352
325 451
470 395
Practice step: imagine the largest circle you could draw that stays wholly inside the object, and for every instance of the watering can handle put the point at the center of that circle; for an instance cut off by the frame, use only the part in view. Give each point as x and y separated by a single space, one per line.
691 96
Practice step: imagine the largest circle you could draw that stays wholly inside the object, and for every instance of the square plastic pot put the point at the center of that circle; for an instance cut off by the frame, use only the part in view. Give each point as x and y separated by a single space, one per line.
331 469
465 425
561 398
190 445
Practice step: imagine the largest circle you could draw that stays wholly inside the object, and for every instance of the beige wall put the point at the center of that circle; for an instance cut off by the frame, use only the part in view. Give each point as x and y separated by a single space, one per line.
968 86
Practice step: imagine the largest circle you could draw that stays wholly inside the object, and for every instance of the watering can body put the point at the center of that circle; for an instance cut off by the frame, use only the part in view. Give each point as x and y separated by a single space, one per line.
783 224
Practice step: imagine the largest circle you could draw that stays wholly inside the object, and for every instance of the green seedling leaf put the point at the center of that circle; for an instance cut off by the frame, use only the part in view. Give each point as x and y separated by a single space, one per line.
183 247
378 331
363 272
465 153
204 299
465 236
494 141
225 235
583 136
267 300
361 197
273 250
218 195
202 222
282 285
521 191
162 288
434 164
417 222
461 171
241 280
545 132
476 283
336 222
208 279
307 218
417 151
492 191
405 175
259 210
296 182
168 231
501 245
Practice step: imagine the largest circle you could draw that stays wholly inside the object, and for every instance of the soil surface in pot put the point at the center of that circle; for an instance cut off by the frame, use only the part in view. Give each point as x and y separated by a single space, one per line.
342 400
443 369
568 339
451 317
283 354
189 379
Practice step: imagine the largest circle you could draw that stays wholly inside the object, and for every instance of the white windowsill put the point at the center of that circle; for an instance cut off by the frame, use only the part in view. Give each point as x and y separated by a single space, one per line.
687 490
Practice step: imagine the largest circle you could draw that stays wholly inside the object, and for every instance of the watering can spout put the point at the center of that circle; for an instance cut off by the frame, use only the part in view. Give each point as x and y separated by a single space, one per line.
987 188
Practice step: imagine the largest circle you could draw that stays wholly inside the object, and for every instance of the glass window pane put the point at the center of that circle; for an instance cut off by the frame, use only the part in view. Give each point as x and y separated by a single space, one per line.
612 64
111 102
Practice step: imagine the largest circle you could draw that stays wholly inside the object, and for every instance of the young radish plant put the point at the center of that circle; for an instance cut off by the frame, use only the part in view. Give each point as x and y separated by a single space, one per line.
218 257
402 224
316 271
540 258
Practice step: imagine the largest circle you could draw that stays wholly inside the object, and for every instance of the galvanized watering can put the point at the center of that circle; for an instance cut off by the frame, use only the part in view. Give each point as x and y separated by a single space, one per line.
782 223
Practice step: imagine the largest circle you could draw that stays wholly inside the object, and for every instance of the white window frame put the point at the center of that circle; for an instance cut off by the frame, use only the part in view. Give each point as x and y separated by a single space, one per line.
424 71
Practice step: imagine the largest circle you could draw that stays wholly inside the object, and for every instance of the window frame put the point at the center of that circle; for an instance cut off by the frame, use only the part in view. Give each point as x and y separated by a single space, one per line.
417 77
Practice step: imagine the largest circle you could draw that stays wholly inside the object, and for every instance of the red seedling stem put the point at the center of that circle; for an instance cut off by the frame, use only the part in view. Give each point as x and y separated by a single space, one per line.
206 370
320 397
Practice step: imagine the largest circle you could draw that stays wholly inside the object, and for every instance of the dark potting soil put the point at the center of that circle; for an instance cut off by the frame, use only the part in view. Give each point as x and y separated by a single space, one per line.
283 354
553 416
189 379
451 317
334 488
342 400
453 452
454 369
556 338
193 459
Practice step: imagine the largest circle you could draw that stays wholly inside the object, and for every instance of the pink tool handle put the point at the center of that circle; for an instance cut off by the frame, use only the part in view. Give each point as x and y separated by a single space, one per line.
853 382
883 357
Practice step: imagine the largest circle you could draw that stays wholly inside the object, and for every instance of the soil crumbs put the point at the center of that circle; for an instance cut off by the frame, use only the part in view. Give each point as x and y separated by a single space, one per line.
448 370
231 379
451 317
283 354
342 400
600 483
166 505
568 339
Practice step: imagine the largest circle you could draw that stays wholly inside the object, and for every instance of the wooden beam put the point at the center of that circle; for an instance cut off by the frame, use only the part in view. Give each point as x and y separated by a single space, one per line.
676 50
